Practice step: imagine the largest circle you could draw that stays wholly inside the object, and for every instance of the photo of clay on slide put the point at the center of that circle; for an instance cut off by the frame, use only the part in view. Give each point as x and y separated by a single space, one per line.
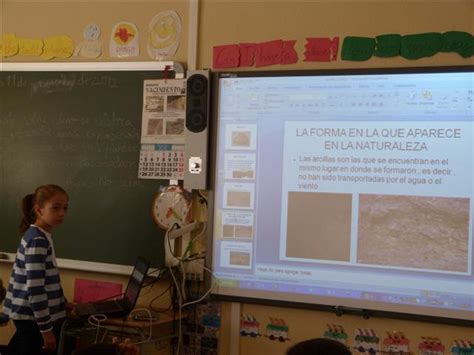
414 232
319 226
239 258
241 138
238 198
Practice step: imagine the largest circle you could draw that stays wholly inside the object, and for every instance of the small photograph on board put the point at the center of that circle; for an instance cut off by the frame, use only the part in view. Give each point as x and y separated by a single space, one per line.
155 104
175 127
155 126
175 103
416 232
319 226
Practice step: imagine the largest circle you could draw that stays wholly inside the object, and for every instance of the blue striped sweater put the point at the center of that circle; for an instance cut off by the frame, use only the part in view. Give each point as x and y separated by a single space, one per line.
34 291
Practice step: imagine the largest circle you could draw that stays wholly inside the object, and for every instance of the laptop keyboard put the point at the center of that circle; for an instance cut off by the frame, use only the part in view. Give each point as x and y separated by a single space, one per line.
107 306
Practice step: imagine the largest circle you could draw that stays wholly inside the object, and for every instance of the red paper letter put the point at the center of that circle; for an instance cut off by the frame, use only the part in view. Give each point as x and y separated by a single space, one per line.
247 54
268 53
289 55
226 56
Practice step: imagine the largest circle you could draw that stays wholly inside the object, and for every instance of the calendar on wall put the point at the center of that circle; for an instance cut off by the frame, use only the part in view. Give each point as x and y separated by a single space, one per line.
161 161
162 136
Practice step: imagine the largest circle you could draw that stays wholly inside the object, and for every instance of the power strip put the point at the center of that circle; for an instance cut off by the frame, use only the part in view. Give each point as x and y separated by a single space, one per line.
194 270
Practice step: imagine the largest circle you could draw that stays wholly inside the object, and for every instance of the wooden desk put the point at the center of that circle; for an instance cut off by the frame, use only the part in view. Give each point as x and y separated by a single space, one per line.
166 317
137 330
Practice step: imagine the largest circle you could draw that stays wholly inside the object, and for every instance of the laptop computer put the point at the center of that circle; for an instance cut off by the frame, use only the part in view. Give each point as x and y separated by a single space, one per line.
123 306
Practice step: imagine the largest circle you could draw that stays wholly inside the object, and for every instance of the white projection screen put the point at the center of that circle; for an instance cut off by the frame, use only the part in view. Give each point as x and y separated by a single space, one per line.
346 190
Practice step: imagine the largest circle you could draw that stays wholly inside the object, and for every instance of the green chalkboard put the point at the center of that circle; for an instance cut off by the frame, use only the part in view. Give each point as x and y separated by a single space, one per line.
80 130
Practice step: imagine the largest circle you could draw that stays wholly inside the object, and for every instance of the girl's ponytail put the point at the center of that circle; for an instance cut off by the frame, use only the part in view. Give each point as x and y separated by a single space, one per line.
29 217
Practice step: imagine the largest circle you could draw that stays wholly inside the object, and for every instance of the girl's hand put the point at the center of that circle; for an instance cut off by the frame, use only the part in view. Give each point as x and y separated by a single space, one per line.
49 341
71 310
126 347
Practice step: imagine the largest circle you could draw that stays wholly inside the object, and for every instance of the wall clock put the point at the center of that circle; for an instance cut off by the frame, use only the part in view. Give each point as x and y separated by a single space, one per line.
170 206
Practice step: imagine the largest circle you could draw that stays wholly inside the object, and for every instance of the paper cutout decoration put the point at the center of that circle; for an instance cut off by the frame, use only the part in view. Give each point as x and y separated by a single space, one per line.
357 48
91 47
247 54
91 290
396 343
164 34
289 55
30 47
226 56
8 45
262 54
58 47
366 341
124 41
462 347
249 326
387 45
277 330
321 49
420 45
268 53
337 333
430 346
459 42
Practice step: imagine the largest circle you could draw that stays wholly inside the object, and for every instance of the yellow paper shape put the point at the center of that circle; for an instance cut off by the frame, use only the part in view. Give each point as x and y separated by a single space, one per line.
163 33
8 45
30 47
58 46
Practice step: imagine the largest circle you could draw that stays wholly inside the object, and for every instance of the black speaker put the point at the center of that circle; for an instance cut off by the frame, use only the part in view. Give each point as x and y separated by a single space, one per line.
196 129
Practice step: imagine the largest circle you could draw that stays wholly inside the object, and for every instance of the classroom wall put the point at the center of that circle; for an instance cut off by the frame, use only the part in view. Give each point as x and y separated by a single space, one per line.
231 22
37 19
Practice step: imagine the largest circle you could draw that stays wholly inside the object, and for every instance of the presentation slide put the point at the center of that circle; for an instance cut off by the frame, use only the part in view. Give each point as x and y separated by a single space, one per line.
347 190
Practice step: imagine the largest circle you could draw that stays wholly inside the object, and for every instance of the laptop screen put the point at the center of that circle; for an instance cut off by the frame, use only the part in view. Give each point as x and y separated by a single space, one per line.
136 281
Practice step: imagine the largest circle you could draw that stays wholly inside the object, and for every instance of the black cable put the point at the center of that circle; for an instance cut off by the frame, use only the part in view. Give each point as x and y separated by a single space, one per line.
162 271
154 299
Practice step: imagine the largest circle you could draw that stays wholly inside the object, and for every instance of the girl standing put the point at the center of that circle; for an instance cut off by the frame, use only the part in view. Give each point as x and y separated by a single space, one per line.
35 300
